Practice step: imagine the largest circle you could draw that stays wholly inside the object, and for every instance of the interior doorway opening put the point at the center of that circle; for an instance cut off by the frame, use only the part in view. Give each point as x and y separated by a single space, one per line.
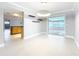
13 25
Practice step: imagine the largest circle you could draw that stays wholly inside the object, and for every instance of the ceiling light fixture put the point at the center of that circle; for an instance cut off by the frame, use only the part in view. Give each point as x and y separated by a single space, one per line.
44 3
15 14
43 15
6 22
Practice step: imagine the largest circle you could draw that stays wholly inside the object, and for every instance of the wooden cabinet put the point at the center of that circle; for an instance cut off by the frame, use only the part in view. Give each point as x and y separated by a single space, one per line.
17 30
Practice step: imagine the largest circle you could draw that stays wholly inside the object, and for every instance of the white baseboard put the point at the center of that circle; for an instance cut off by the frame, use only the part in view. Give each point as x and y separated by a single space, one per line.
77 43
69 36
28 37
2 45
43 33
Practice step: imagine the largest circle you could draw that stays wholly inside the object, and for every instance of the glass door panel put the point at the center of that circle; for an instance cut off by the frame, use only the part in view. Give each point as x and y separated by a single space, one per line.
56 25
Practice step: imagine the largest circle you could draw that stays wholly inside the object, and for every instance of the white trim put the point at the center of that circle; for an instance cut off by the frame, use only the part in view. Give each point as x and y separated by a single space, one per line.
63 12
43 33
69 36
47 25
72 37
2 45
64 25
33 35
77 44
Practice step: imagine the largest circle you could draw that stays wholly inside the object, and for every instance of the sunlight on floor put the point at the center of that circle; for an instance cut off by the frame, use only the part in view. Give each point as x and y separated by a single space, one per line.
16 36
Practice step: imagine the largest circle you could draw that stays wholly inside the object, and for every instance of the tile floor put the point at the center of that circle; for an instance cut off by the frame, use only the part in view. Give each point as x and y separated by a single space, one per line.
42 45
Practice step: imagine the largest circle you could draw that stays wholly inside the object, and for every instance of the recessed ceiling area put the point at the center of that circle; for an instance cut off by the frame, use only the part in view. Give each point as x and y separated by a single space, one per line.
50 6
13 15
43 13
53 7
32 8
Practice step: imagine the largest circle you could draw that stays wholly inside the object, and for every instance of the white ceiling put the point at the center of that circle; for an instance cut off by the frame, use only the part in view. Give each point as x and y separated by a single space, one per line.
34 7
49 6
8 7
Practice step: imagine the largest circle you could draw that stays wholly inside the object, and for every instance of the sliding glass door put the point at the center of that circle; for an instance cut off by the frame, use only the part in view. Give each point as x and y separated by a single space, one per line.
56 25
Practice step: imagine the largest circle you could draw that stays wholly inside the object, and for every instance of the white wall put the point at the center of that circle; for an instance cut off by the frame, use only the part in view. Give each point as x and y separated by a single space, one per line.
30 28
70 25
16 22
1 28
76 8
44 25
77 29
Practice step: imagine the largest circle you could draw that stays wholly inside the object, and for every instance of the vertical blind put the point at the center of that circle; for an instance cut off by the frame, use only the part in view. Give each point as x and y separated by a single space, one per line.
56 25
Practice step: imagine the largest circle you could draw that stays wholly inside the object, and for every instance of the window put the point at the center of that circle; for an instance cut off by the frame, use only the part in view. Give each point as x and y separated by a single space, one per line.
56 25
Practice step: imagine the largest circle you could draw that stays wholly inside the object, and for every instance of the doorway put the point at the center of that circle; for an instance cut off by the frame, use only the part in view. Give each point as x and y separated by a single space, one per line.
13 25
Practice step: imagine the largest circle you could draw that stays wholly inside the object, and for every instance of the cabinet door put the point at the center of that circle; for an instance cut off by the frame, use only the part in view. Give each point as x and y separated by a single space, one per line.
16 30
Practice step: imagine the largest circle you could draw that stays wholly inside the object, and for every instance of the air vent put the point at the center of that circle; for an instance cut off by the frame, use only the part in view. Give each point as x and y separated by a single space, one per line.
39 19
31 16
36 21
